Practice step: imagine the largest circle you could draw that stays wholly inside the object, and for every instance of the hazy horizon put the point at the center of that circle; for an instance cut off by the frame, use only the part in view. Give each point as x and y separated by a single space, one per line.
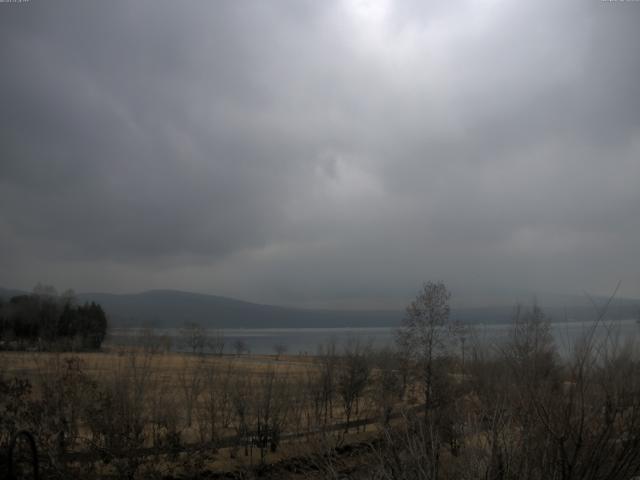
546 300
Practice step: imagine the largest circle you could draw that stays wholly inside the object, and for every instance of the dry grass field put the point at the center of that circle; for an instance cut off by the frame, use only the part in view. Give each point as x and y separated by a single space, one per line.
178 412
520 412
32 364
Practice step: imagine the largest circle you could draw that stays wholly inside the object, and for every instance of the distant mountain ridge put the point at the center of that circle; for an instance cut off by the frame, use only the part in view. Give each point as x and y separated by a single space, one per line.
172 308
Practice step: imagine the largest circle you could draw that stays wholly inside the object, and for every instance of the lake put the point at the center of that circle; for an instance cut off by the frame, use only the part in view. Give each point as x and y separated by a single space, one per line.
306 340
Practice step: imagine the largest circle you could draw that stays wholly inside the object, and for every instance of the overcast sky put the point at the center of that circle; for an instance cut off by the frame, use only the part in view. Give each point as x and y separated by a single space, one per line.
320 153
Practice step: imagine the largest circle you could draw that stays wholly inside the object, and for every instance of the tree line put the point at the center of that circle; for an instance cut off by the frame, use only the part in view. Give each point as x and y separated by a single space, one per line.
441 405
47 320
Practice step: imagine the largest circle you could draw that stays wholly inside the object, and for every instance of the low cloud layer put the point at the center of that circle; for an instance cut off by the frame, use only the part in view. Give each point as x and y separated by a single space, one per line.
321 153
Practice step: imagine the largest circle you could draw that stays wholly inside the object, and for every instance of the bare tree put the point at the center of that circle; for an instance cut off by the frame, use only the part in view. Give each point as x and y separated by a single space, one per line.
119 414
164 414
423 332
150 341
388 383
214 410
423 338
242 412
353 378
240 346
461 333
190 378
531 347
216 342
194 336
578 422
328 358
271 405
280 349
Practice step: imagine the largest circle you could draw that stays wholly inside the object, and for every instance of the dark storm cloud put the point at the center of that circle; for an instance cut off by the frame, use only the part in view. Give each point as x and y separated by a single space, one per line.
320 152
105 141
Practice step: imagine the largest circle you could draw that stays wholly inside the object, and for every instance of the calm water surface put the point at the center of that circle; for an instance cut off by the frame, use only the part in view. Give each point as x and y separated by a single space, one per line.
307 340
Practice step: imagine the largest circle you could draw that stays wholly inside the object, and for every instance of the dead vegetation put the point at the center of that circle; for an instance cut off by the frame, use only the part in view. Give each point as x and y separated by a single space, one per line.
417 412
